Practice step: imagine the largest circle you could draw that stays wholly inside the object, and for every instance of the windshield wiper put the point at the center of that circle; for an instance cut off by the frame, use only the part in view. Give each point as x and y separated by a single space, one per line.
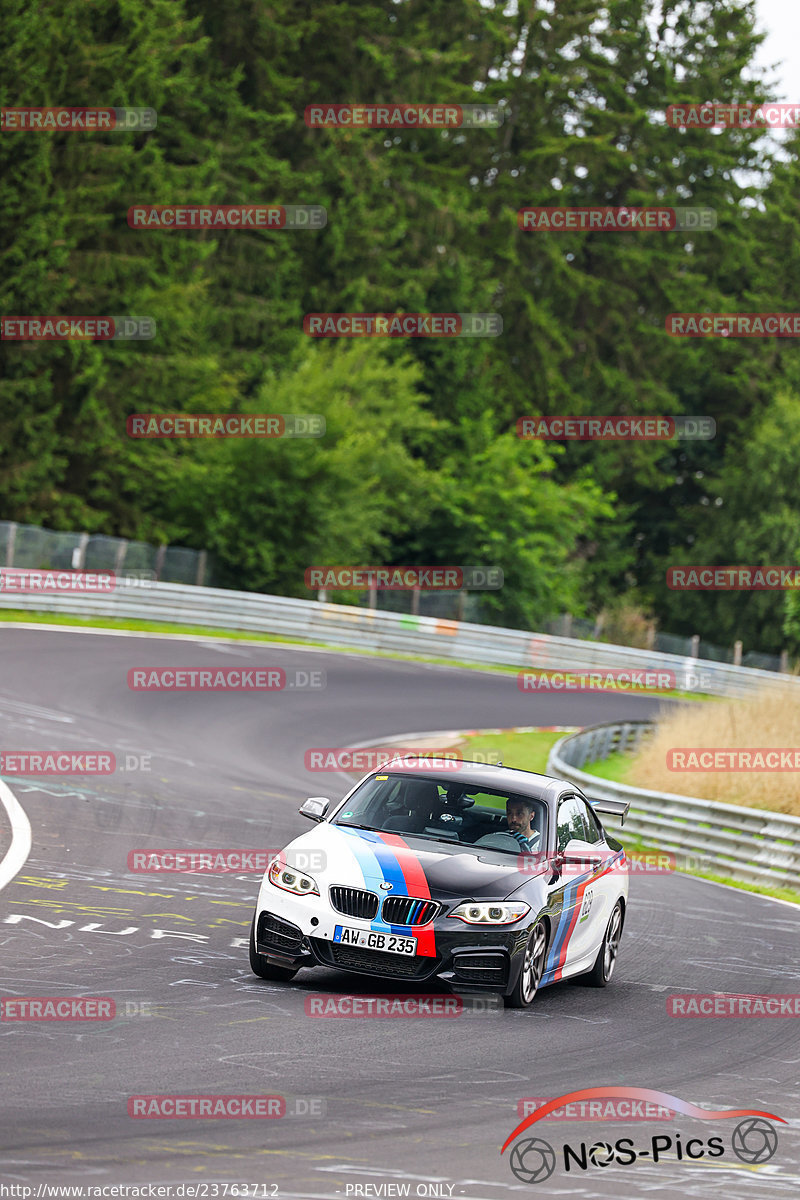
429 837
426 837
368 828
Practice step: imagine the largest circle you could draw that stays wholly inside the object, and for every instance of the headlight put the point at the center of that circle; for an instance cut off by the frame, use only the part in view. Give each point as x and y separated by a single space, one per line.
292 880
490 914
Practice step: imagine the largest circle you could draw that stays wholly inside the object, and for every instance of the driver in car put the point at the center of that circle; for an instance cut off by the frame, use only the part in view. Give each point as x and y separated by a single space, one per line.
518 815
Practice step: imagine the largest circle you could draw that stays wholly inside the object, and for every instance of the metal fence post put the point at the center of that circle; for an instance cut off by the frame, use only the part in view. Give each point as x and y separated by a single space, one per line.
79 553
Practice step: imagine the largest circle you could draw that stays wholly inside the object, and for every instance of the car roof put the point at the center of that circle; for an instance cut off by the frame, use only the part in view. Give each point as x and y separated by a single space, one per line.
507 779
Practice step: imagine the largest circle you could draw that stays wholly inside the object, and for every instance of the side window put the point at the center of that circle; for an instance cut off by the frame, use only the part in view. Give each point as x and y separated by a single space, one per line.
576 820
593 831
570 822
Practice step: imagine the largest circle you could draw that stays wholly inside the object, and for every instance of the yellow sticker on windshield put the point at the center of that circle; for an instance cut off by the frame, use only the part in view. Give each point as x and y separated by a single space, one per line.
381 776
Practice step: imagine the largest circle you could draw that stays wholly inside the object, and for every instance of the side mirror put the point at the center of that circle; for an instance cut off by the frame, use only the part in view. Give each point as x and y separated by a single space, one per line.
578 852
315 807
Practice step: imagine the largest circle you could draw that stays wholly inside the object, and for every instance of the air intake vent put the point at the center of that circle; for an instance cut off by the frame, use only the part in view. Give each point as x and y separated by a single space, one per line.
277 934
376 962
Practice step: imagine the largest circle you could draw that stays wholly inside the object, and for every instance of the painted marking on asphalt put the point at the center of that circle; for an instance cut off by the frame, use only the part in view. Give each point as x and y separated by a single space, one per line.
33 710
21 836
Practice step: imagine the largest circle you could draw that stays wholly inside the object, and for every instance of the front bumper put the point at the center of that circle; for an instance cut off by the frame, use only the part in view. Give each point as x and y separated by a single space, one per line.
466 959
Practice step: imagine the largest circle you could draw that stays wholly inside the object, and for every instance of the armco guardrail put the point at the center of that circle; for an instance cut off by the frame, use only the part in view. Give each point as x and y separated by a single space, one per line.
747 844
373 629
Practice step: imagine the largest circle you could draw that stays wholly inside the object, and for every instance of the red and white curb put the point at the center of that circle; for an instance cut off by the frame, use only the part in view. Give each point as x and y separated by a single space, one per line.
442 736
523 729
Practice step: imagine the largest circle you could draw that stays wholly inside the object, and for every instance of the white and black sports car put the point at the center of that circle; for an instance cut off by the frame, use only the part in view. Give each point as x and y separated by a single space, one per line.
415 875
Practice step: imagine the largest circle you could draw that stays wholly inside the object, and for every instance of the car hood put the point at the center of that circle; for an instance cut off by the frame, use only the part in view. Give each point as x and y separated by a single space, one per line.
336 854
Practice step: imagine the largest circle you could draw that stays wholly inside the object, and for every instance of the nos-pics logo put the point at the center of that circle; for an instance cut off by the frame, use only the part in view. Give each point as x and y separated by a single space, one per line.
533 1160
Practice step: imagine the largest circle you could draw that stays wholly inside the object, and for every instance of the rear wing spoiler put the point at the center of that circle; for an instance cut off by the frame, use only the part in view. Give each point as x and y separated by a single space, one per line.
611 808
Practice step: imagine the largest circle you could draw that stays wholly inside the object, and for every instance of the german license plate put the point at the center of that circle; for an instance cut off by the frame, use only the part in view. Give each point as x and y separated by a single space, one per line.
367 939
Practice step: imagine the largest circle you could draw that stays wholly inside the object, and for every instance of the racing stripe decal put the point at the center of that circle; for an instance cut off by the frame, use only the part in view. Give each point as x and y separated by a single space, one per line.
387 858
359 857
376 870
388 863
361 845
570 925
557 953
416 885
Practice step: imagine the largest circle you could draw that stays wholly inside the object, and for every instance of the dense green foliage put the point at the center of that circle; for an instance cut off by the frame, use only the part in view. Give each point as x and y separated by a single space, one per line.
421 462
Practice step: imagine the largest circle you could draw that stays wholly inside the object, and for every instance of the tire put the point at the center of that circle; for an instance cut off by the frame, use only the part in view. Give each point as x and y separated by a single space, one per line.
261 966
603 969
530 976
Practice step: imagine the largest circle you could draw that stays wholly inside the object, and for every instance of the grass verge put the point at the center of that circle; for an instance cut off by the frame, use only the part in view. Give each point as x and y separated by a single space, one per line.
528 751
616 768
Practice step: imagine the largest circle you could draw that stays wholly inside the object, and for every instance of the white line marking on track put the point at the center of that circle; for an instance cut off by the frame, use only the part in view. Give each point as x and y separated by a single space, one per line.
34 710
743 891
21 837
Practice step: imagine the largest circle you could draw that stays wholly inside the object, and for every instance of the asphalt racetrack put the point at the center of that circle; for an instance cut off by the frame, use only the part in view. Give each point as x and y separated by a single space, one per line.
374 1106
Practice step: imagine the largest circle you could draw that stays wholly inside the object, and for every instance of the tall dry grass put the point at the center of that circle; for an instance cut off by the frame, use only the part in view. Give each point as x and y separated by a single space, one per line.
770 719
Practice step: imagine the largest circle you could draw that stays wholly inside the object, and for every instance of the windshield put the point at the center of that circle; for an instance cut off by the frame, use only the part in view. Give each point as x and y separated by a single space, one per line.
445 811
